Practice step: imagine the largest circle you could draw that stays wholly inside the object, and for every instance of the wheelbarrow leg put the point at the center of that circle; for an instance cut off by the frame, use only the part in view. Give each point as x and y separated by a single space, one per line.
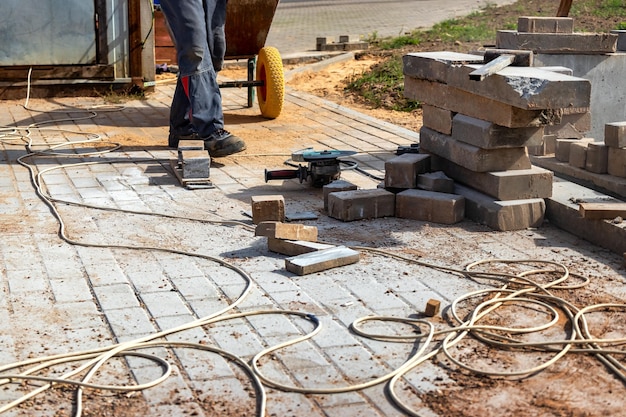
251 88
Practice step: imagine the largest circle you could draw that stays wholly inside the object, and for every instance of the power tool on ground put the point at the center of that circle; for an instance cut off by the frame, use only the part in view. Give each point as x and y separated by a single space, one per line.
323 167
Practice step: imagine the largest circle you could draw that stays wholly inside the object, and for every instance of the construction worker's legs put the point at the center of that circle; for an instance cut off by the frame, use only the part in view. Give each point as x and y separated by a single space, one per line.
197 102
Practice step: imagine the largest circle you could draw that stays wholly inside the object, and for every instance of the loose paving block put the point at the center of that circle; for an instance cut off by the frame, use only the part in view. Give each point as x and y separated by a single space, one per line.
557 43
471 157
529 88
536 24
547 147
188 145
430 206
321 260
268 208
597 158
563 146
294 247
335 186
432 307
402 170
615 135
289 231
616 162
361 204
502 215
487 135
521 184
474 105
578 154
437 119
435 181
563 212
196 164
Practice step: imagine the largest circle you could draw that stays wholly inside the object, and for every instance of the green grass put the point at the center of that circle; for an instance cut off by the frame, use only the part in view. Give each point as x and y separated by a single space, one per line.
383 85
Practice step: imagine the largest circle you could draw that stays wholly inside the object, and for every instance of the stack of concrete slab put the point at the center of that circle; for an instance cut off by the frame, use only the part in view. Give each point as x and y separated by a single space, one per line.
477 131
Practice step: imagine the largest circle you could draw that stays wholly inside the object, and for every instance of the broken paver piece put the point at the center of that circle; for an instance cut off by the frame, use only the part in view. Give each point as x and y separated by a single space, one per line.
615 135
289 231
432 307
321 260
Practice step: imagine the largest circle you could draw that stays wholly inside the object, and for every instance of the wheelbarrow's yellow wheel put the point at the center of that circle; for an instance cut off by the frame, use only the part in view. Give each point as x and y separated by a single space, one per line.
271 94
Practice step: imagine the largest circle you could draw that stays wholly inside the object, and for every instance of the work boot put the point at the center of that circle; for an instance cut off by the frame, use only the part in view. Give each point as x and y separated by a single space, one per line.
223 143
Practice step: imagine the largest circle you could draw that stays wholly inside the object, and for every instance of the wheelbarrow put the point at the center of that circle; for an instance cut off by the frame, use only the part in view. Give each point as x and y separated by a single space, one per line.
247 25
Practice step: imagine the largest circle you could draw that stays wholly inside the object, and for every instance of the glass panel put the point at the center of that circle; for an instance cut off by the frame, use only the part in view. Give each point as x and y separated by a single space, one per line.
47 32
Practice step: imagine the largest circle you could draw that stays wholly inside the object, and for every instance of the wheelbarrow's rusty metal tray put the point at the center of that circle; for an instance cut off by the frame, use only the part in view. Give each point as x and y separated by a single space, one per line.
247 25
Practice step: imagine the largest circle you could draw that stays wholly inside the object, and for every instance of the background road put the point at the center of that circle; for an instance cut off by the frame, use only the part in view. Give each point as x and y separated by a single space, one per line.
297 23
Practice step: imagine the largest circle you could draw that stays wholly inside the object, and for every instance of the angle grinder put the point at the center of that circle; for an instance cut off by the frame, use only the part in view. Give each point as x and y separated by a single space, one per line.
323 167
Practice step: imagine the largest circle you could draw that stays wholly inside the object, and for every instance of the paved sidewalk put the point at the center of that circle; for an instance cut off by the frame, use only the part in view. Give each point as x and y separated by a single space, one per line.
297 24
58 297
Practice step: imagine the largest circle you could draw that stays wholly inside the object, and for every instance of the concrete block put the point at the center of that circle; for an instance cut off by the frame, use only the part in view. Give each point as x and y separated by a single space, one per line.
268 208
322 41
196 164
597 158
335 186
562 212
437 119
621 39
615 135
578 154
188 145
528 88
520 184
460 101
436 181
430 206
361 204
536 24
401 171
562 149
287 231
616 164
434 66
547 147
471 157
355 46
432 307
294 247
502 215
557 43
321 260
575 123
487 135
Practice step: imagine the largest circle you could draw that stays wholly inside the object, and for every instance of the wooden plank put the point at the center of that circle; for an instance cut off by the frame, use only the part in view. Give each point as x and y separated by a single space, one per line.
321 260
602 210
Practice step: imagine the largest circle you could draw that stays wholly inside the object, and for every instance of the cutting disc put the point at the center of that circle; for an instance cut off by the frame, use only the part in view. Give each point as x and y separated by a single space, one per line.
317 155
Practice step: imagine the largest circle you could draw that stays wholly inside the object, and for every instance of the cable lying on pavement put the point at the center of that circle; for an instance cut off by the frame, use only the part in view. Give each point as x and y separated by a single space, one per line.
476 316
